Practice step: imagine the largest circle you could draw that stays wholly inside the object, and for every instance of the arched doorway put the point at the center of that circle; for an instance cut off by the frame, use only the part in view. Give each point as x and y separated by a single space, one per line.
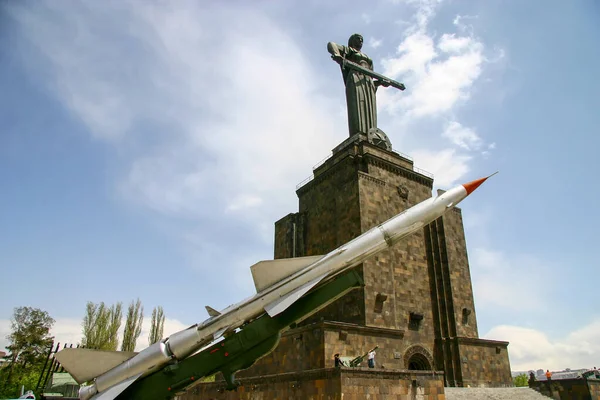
419 362
417 358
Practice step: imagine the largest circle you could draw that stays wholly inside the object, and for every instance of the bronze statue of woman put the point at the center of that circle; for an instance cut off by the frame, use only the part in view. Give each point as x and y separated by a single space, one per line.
360 89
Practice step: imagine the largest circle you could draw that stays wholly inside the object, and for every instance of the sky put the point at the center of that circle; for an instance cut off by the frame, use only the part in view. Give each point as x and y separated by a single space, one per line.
148 147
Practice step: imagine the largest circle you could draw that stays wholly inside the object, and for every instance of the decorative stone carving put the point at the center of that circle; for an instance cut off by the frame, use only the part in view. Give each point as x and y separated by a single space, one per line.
403 192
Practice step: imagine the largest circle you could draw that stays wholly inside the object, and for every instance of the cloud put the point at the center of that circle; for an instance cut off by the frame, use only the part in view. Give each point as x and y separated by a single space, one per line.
213 112
440 72
243 202
461 136
446 165
530 349
439 75
449 43
375 43
214 119
514 283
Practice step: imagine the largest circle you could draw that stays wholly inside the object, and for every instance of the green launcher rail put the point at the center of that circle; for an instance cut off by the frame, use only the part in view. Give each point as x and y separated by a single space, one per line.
241 349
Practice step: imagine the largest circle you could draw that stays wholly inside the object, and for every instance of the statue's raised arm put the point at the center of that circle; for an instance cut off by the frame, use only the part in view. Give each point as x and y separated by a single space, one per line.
337 51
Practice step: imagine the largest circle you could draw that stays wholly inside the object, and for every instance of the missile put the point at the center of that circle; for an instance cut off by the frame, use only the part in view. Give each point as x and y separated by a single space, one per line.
279 283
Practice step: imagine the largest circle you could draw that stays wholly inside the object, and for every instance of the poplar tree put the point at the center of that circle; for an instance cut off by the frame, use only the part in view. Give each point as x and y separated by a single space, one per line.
157 325
101 326
133 326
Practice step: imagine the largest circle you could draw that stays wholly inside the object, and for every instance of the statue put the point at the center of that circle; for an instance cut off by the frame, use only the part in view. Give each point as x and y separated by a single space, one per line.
361 85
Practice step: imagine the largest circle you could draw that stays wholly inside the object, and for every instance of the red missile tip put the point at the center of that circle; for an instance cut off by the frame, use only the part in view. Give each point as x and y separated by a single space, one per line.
471 186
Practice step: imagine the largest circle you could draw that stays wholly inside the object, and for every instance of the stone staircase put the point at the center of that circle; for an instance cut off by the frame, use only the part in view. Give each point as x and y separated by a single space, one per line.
514 393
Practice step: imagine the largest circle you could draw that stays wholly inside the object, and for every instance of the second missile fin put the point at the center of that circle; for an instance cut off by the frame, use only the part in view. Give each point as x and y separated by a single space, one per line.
266 273
212 312
284 302
86 364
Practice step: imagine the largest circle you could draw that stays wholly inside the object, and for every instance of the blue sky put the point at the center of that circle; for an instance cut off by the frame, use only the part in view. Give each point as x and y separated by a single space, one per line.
146 150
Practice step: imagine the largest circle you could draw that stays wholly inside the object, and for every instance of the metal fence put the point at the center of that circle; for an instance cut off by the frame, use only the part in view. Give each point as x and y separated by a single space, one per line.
51 365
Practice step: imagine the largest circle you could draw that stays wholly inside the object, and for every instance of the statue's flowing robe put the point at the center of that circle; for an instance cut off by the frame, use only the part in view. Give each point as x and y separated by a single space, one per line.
360 93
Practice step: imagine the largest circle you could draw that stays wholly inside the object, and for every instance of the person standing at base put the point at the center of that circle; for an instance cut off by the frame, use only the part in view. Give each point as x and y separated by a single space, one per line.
371 359
548 375
338 361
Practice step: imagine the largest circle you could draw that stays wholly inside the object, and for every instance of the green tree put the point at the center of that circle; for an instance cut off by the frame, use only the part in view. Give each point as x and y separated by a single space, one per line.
133 325
521 380
157 325
30 342
30 337
101 326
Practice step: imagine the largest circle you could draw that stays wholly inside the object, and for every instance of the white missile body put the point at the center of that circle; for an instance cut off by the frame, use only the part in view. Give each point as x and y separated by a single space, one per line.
277 289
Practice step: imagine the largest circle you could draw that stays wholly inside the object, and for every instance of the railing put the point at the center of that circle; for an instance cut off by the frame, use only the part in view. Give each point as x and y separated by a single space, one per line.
304 182
51 365
403 155
324 160
423 172
317 165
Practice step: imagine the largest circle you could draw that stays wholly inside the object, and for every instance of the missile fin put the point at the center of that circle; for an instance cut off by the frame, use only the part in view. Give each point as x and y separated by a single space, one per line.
220 332
284 302
112 392
212 312
87 364
267 273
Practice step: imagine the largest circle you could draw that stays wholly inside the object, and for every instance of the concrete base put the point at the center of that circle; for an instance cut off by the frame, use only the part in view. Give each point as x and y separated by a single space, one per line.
571 389
330 384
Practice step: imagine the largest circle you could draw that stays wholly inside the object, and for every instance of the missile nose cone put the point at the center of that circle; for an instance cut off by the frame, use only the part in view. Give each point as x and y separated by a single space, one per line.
471 186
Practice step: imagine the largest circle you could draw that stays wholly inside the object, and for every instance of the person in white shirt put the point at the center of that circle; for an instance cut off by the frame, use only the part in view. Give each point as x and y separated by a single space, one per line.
371 359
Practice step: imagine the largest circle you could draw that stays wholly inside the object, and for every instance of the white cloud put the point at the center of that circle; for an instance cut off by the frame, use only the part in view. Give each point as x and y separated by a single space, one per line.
366 18
244 201
417 51
440 71
446 165
462 136
436 81
375 43
226 114
449 43
5 330
495 283
531 349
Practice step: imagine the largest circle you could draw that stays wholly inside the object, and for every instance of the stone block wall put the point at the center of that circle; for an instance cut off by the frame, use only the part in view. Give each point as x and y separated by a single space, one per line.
328 384
569 389
594 387
298 350
484 363
290 236
351 341
460 274
330 205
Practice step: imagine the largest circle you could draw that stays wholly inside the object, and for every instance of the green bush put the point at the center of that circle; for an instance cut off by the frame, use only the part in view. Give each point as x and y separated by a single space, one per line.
521 380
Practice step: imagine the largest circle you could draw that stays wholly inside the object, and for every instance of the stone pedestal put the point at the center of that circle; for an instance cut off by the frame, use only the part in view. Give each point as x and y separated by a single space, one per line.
330 384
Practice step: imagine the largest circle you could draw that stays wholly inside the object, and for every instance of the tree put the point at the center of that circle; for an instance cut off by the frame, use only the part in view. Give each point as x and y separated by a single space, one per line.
133 326
157 325
521 380
30 341
101 326
30 337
